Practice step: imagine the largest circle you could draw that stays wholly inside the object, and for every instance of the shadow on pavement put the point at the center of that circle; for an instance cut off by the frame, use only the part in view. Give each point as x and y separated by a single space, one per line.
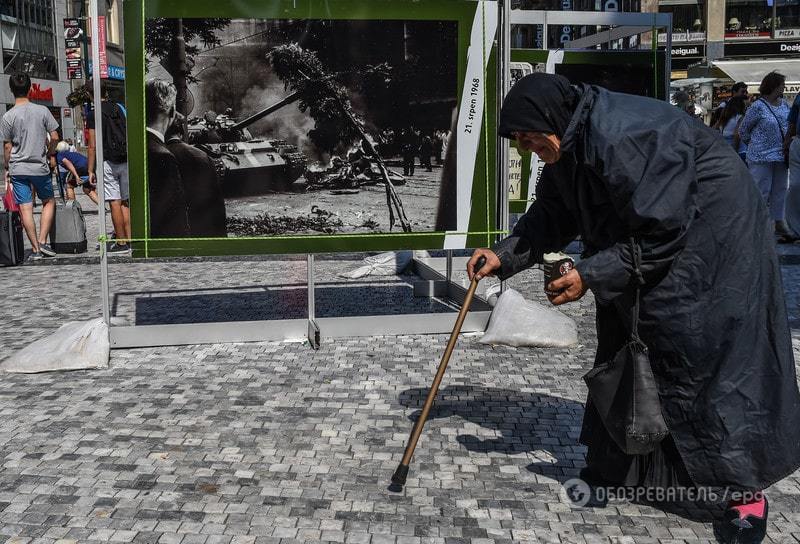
257 303
527 423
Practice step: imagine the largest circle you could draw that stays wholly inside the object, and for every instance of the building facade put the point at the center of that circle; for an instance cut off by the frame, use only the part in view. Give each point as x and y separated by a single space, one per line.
33 36
33 42
737 40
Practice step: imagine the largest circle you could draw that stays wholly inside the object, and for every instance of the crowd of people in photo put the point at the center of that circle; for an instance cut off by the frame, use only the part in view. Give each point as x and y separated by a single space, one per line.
764 131
411 143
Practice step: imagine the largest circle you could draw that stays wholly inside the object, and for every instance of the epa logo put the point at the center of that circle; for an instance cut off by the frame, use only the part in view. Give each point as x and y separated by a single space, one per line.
576 492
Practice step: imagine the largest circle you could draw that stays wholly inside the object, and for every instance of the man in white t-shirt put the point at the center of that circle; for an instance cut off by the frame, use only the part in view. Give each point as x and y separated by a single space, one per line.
25 129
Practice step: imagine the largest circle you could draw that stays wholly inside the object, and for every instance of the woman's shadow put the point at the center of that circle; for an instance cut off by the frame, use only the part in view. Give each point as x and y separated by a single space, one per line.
522 422
526 422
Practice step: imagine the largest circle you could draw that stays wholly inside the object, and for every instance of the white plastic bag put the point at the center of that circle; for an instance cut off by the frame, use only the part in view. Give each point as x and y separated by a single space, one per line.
518 322
390 263
75 345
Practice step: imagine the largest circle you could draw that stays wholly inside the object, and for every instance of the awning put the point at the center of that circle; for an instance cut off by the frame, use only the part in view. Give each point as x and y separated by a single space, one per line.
753 71
691 82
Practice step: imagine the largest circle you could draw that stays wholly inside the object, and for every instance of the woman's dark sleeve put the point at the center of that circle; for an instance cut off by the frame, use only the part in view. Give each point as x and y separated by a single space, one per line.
651 177
546 227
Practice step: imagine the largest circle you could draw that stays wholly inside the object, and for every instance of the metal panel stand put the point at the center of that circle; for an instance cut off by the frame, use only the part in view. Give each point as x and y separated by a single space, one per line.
313 328
433 284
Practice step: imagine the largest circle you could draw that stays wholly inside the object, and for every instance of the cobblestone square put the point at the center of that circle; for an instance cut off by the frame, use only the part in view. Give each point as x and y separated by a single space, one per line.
276 442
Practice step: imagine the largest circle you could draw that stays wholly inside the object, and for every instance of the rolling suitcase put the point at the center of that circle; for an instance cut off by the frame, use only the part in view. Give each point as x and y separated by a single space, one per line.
12 250
68 233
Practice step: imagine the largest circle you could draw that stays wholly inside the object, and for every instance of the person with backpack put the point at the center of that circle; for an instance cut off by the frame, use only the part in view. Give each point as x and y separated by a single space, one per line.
115 168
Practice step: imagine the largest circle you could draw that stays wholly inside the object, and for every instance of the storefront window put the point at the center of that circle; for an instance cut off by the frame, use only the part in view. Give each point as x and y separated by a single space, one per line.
747 19
687 17
113 34
530 36
688 20
787 19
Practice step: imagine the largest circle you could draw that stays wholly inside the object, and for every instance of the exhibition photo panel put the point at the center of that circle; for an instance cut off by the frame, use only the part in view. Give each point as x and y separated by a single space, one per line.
294 132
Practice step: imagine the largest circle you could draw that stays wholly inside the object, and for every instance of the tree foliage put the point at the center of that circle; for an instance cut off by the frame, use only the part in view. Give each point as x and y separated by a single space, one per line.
323 96
159 34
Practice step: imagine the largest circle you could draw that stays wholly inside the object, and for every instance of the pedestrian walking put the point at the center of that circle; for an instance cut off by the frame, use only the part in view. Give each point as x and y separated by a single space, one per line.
738 90
792 148
409 146
425 152
764 130
729 122
115 167
684 102
438 147
641 182
25 130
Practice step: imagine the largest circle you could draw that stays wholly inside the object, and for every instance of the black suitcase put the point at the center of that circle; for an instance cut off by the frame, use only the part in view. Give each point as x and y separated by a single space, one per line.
68 233
12 250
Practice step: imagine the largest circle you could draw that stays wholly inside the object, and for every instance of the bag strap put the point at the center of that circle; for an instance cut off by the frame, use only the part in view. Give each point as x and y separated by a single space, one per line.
636 255
780 128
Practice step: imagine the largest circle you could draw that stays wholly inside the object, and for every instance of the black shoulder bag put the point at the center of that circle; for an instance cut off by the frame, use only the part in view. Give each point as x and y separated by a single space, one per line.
624 389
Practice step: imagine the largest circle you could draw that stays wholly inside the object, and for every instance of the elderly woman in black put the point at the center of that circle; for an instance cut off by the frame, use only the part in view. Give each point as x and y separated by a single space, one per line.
712 313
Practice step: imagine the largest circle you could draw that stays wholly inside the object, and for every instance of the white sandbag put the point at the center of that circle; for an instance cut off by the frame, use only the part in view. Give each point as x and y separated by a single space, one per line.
76 345
518 322
390 263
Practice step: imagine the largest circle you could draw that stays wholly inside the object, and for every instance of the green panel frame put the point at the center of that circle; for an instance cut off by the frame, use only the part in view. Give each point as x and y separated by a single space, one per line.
482 223
655 59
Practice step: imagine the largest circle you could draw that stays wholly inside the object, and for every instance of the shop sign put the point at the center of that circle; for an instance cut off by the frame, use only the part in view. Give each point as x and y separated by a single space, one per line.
101 42
682 37
565 34
746 34
114 72
689 51
37 93
784 33
74 69
73 40
762 49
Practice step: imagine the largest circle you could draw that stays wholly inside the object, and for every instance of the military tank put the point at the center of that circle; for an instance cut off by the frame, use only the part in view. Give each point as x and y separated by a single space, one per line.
248 166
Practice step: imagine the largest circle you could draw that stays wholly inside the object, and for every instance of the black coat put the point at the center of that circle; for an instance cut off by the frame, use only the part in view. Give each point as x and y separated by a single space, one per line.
168 208
713 312
203 193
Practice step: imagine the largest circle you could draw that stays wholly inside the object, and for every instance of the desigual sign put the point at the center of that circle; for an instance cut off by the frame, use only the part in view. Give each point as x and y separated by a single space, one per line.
763 49
688 51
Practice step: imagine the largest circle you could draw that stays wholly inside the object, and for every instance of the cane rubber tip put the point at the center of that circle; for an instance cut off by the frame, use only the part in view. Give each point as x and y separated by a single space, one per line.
399 478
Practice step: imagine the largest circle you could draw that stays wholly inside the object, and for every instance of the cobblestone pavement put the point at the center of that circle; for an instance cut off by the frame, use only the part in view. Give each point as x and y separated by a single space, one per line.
275 442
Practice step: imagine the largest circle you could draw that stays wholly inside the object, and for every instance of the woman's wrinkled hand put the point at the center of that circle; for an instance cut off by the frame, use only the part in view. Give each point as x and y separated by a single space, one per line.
492 263
570 287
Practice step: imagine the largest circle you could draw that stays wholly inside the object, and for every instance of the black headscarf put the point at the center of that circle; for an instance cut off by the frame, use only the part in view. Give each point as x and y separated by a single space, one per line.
538 103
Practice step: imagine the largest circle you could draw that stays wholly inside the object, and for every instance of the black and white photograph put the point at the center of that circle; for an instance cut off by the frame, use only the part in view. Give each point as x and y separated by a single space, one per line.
299 127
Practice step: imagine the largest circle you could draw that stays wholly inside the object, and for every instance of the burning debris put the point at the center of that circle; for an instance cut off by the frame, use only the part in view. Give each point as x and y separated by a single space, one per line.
354 171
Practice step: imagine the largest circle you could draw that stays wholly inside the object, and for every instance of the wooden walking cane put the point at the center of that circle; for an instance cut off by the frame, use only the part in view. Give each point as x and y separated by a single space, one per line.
400 475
